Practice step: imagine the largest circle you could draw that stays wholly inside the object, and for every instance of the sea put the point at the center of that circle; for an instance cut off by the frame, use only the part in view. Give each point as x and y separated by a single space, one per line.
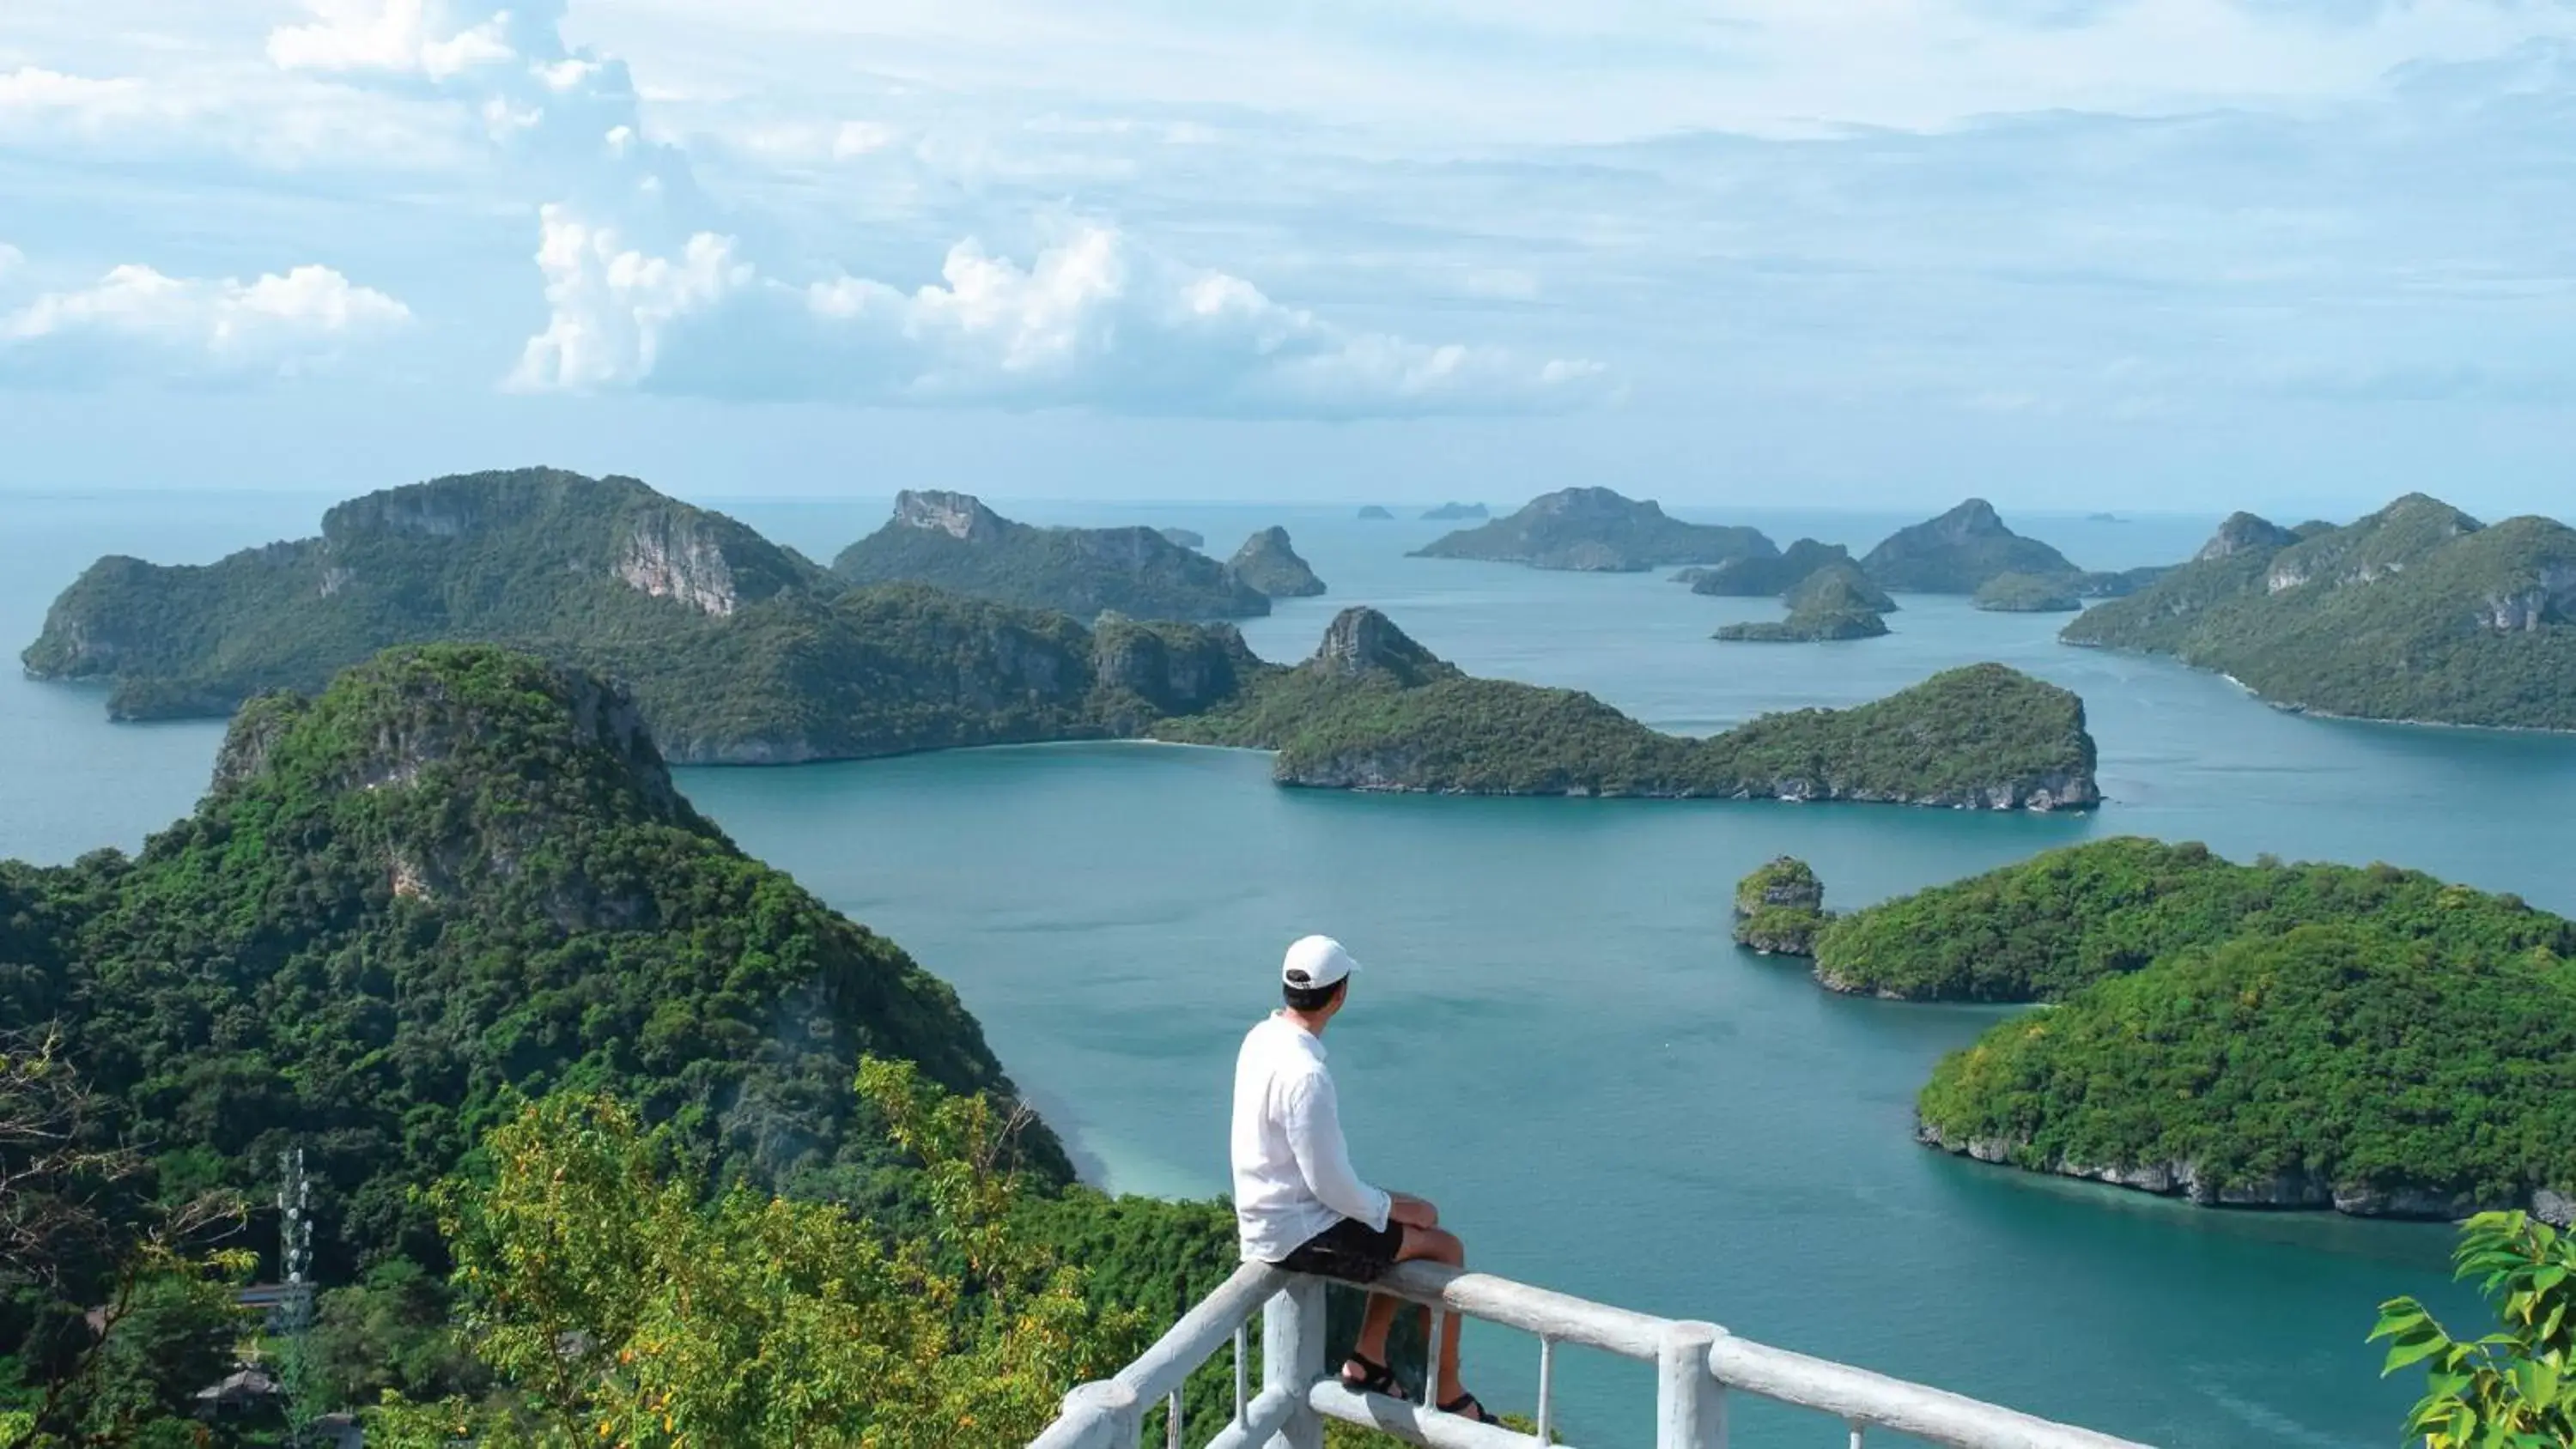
1552 1036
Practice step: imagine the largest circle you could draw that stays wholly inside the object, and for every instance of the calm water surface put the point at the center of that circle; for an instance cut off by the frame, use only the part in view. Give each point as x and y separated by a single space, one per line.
1553 1037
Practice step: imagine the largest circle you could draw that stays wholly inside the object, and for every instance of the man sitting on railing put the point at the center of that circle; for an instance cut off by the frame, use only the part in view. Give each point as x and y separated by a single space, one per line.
1298 1204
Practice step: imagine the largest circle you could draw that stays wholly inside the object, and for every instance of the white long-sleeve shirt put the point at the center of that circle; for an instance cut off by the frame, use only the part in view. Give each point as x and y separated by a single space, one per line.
1292 1172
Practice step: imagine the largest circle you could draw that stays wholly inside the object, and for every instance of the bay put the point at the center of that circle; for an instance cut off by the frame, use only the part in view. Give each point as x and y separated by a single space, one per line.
1553 1037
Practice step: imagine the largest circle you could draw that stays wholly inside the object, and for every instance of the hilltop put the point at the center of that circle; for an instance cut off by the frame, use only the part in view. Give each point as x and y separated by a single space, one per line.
1596 530
1269 562
1959 552
1453 512
737 651
2416 612
1374 710
952 541
458 873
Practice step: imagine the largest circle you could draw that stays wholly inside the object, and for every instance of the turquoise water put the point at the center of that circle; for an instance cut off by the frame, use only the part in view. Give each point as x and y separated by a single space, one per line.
1554 1039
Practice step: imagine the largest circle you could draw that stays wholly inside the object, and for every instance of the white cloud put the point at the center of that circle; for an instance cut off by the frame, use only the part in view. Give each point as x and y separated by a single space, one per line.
279 324
1097 320
611 305
424 37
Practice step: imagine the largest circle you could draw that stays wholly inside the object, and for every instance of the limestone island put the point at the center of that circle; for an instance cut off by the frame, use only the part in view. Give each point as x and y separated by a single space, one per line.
1185 537
1453 512
1779 908
1268 562
1958 552
952 541
2253 1035
2028 594
1767 576
2417 612
737 651
1373 710
1376 514
1834 602
1594 530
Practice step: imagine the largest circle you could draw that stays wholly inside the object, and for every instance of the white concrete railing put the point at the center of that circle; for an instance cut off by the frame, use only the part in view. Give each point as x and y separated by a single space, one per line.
1696 1365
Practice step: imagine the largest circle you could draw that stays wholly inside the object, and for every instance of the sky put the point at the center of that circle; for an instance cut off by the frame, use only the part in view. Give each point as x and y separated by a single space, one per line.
2298 255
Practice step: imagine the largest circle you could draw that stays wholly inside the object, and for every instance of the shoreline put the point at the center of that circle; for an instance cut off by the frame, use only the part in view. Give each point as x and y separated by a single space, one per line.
2313 712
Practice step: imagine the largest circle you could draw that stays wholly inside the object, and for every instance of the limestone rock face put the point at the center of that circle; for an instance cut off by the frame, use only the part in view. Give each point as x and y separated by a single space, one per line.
1362 641
1268 562
2293 1189
668 556
959 515
2243 531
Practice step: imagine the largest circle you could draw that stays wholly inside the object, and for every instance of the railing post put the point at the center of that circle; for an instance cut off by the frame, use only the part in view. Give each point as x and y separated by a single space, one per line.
1292 1358
1690 1404
1113 1408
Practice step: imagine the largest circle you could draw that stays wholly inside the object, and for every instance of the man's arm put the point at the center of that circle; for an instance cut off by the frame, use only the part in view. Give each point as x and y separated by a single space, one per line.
1315 1135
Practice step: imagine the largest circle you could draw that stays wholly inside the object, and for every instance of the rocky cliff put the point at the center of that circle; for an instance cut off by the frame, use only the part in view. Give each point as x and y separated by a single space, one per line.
952 541
1269 562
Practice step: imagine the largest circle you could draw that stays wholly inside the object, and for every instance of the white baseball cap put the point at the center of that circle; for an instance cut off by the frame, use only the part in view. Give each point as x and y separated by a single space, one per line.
1316 961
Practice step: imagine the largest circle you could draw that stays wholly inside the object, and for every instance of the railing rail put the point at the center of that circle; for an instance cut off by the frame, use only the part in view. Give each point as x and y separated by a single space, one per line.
1696 1365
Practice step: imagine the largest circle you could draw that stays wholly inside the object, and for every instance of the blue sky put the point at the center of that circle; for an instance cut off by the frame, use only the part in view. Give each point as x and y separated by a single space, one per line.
2196 254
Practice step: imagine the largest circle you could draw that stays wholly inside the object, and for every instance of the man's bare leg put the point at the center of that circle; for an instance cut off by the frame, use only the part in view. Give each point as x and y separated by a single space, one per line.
1431 1244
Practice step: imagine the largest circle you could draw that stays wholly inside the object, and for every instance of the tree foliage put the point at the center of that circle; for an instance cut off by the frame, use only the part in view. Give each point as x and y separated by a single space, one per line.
2042 928
2344 1065
2514 1388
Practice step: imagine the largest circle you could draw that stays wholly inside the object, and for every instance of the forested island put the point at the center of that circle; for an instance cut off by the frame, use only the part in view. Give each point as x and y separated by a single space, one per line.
457 881
1374 710
740 652
1959 552
2417 612
1757 576
2028 594
1455 512
1834 602
1596 530
952 541
1779 908
2368 1039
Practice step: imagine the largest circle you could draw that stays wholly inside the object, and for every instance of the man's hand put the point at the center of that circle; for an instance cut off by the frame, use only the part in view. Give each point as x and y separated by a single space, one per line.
1412 1212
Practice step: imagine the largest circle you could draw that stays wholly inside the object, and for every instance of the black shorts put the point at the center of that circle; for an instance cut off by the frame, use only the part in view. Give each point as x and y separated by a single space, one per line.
1350 1250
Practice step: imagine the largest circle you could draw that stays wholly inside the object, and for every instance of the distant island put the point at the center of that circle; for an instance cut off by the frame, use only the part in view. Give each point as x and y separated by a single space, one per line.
1451 512
1373 710
2417 612
1268 562
1375 513
2104 518
1834 602
1185 537
1779 908
952 541
1595 530
739 652
1769 575
2028 594
1958 553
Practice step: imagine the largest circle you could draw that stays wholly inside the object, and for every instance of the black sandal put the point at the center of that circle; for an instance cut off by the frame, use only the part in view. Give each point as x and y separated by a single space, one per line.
1374 1378
1468 1406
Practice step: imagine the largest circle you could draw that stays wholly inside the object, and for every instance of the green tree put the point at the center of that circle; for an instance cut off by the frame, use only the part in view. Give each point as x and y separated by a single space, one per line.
620 1306
2511 1389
